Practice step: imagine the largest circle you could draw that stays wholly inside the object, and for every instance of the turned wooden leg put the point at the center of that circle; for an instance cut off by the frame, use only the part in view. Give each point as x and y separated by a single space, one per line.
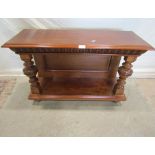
124 72
31 70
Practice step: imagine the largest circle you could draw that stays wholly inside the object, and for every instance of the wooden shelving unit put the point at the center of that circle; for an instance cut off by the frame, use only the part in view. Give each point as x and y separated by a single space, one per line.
77 64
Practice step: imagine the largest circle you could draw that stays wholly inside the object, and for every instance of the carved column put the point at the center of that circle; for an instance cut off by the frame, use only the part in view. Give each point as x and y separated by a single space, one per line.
31 70
124 72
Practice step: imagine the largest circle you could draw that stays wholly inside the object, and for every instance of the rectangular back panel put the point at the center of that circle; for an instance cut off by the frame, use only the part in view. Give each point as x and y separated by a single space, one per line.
65 61
73 65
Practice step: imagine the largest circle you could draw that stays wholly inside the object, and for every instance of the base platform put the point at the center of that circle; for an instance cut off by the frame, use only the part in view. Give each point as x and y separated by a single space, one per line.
77 89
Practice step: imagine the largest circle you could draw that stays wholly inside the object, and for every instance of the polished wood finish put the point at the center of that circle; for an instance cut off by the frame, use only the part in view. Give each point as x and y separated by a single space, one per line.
124 72
77 64
93 39
30 70
73 65
77 89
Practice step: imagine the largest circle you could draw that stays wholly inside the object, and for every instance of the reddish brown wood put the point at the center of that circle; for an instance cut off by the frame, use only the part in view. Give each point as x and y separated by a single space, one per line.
77 89
66 72
115 98
124 72
112 52
74 65
30 70
95 39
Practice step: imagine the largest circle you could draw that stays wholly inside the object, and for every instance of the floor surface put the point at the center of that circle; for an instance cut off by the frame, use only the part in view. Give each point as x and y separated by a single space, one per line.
135 117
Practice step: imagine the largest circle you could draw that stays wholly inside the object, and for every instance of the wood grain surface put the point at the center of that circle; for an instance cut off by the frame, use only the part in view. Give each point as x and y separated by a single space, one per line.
105 39
58 69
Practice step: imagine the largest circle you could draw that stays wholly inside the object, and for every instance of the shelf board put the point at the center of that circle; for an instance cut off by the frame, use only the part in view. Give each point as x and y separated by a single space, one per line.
76 89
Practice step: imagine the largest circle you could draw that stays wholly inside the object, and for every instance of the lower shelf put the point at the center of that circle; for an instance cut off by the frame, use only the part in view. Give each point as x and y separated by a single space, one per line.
76 89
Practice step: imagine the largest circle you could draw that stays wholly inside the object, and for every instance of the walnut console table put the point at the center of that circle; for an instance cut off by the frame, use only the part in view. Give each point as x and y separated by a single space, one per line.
77 64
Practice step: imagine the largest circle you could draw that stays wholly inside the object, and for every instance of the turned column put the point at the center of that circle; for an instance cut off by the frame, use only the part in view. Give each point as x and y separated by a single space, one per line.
31 70
124 72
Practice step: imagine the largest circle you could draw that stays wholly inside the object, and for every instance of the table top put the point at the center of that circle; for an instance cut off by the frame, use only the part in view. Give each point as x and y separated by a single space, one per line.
92 38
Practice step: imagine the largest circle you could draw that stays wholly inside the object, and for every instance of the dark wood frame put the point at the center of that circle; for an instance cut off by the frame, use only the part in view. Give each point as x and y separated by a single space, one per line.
115 88
76 83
